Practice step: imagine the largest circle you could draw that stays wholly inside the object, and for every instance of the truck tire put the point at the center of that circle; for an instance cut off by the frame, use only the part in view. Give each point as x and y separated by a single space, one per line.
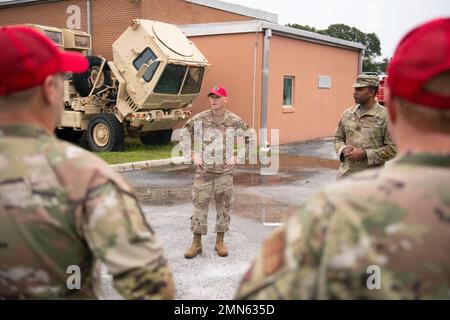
105 133
165 136
160 137
148 138
83 82
69 134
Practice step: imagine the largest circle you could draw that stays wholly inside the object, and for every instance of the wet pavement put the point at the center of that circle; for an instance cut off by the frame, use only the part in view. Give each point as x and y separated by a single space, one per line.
261 203
319 148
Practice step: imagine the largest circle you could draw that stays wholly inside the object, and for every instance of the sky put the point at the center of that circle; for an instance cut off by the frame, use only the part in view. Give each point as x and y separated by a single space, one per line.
389 19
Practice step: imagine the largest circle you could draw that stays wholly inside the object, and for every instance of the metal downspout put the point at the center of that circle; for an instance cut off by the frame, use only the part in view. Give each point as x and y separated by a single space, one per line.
361 59
89 20
265 87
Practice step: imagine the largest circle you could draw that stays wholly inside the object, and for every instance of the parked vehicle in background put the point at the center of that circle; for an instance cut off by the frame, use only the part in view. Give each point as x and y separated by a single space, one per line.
381 92
155 74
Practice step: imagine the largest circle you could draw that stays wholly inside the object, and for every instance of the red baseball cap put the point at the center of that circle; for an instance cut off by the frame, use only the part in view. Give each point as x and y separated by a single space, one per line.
218 91
421 55
27 57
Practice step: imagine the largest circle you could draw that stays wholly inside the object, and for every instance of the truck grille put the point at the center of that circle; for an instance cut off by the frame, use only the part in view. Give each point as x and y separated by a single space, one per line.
130 102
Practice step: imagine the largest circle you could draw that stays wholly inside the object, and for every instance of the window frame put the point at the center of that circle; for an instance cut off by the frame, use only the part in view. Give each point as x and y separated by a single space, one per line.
292 96
153 67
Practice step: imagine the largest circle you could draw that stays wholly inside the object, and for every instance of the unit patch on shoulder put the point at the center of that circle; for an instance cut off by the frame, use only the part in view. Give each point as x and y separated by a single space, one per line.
273 252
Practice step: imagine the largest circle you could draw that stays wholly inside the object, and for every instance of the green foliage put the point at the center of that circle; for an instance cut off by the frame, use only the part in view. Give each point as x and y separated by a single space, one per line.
373 66
345 32
303 27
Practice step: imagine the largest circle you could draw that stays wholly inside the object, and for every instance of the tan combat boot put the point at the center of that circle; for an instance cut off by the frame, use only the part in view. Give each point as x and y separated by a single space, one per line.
221 248
195 248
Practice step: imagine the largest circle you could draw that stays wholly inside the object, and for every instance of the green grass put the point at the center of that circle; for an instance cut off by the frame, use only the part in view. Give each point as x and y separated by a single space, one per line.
134 151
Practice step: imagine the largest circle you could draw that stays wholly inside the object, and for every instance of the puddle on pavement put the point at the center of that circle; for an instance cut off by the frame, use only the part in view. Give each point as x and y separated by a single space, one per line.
262 209
259 206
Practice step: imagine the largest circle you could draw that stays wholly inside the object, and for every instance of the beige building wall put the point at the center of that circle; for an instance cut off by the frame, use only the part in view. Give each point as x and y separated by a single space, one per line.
315 112
108 24
53 14
233 60
111 17
236 60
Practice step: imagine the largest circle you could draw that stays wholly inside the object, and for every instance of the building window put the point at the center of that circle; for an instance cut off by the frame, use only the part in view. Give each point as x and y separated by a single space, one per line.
288 91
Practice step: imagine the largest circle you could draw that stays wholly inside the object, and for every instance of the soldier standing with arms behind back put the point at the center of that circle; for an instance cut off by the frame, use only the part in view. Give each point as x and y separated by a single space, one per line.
382 233
362 139
61 207
214 159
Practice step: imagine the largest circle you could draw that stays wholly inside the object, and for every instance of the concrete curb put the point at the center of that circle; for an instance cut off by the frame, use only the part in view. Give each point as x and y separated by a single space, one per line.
140 165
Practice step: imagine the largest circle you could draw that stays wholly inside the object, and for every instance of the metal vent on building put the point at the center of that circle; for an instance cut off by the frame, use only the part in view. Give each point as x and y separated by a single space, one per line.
324 82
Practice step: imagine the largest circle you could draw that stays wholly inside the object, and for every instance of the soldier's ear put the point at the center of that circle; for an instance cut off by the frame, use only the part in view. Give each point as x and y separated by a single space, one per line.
392 109
48 89
391 105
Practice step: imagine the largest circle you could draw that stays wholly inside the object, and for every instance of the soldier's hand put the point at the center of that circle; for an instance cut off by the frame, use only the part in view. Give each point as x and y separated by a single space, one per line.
197 160
231 163
357 154
347 151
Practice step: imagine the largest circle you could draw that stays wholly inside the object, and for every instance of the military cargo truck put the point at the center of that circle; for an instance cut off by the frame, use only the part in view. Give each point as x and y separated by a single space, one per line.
155 74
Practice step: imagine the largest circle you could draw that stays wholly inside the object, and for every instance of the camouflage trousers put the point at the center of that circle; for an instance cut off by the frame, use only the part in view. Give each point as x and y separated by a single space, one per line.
207 185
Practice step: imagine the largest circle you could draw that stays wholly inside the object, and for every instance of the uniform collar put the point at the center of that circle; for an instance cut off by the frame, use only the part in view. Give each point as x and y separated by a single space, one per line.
22 130
226 115
425 159
371 112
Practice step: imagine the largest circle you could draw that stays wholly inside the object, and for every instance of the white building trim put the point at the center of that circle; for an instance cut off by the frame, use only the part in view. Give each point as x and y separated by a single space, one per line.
204 29
236 8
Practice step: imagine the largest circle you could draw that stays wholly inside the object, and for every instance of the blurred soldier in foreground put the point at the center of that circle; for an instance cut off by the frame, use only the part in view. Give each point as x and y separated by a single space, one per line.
380 233
362 139
60 206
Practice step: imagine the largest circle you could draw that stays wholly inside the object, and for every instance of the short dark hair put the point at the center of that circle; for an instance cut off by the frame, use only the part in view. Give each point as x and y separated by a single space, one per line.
374 89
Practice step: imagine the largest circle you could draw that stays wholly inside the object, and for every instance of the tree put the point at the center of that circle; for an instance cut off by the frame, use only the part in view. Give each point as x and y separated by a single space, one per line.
303 27
345 32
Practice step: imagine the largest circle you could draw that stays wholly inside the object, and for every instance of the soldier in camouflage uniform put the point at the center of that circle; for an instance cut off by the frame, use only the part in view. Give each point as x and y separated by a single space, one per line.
62 208
382 233
215 130
362 139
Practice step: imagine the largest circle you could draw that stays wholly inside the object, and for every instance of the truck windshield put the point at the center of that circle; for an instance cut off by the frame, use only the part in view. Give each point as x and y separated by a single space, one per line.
172 78
193 81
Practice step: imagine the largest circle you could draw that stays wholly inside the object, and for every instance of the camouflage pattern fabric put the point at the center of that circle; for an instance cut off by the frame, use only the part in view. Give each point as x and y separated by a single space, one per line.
206 185
366 80
212 178
396 219
216 145
61 206
368 131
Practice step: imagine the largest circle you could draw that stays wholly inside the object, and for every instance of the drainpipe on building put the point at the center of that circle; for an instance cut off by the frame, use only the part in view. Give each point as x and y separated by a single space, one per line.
265 88
89 21
255 67
361 58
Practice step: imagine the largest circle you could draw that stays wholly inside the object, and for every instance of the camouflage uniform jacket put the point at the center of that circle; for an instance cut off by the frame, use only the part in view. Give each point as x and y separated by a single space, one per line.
61 206
393 223
367 131
217 144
